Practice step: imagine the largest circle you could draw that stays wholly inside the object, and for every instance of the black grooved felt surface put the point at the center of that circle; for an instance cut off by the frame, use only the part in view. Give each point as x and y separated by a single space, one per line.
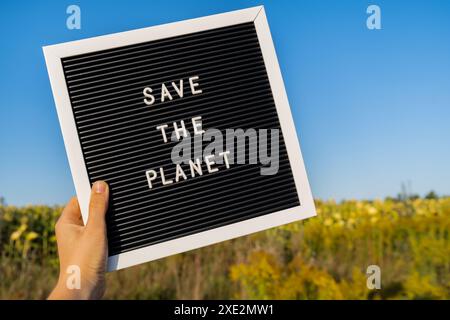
119 140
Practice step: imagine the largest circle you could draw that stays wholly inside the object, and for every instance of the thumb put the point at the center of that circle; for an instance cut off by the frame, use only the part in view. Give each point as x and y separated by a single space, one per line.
98 206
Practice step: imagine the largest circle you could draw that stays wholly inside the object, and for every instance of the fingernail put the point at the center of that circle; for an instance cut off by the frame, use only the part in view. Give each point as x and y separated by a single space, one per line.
99 187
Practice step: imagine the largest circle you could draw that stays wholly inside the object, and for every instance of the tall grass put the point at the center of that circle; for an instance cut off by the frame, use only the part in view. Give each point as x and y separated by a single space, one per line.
321 258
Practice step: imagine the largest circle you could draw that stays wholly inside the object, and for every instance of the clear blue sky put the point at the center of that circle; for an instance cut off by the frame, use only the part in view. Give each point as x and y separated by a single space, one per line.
372 108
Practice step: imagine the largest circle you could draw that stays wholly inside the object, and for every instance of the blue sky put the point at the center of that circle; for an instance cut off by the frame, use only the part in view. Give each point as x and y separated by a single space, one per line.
372 108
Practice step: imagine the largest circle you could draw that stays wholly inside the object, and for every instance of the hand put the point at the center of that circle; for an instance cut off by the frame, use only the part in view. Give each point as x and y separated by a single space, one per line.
83 248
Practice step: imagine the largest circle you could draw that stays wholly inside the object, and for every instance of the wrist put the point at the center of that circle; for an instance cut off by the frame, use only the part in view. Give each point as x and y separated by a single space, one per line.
64 291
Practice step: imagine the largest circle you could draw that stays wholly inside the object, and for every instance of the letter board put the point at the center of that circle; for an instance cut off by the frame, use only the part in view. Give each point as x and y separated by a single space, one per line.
126 101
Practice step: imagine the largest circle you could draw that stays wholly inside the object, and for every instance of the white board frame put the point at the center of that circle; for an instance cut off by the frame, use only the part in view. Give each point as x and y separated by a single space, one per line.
53 55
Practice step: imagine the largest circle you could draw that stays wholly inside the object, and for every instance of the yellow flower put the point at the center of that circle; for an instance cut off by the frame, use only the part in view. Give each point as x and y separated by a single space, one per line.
7 217
15 235
31 236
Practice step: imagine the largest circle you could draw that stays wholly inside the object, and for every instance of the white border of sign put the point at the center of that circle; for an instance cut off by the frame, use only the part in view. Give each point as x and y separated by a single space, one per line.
53 55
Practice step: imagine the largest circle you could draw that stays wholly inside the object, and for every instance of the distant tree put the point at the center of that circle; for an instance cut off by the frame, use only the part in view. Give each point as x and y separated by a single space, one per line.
431 195
414 196
2 201
406 192
389 198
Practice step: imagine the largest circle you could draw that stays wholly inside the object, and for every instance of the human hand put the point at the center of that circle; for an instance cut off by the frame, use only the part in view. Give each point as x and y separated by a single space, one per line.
83 248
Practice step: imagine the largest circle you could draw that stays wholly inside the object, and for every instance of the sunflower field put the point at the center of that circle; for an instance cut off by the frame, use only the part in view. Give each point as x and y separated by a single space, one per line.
325 257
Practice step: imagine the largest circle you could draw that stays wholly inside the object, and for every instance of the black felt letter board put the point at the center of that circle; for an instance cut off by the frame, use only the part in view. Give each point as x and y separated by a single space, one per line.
119 141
